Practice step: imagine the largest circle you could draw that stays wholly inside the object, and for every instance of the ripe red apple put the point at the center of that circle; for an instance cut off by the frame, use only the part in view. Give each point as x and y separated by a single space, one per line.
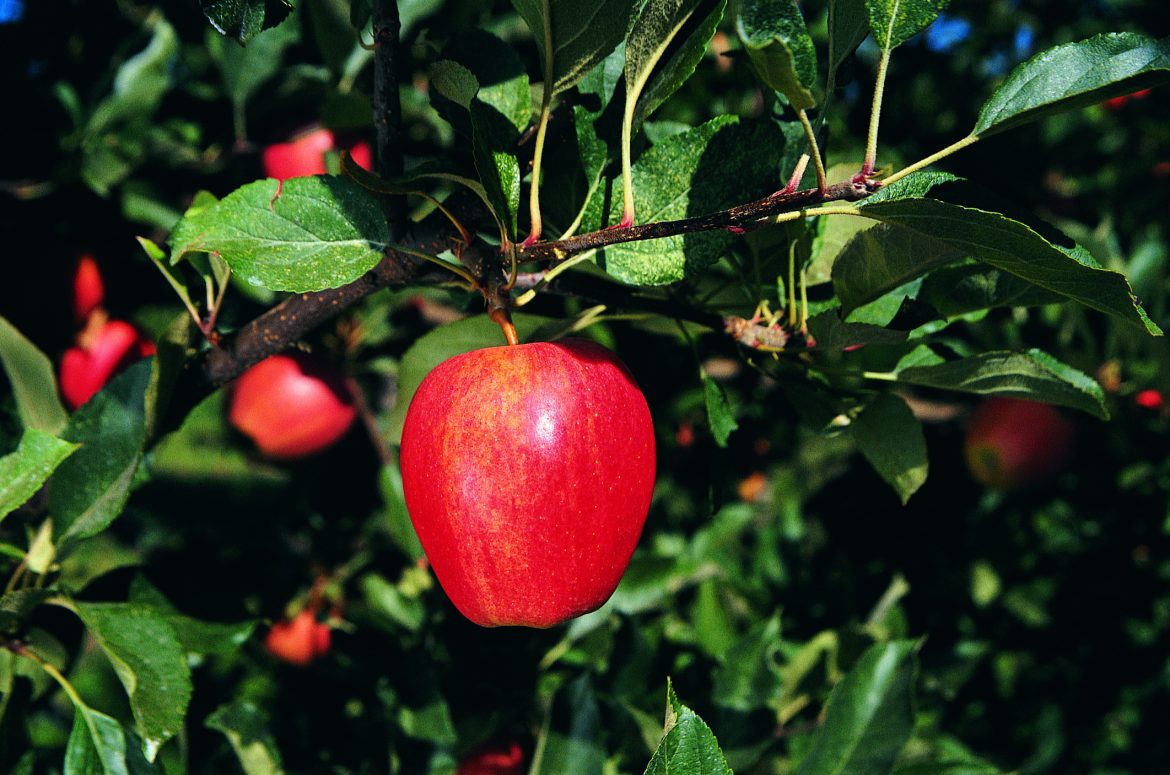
493 760
291 405
1012 442
300 640
527 471
305 155
102 351
88 290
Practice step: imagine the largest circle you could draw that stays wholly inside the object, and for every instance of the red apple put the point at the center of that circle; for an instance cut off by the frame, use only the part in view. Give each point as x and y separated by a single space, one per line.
305 155
291 405
493 760
1149 399
527 472
1012 442
88 290
100 354
300 640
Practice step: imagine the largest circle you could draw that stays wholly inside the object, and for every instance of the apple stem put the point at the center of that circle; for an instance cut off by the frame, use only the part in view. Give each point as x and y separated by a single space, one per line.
503 318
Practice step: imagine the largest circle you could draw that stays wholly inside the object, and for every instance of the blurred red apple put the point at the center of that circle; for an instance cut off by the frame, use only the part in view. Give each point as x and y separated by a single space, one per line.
102 352
291 405
305 155
300 640
527 472
1116 103
1149 399
1013 442
493 760
89 291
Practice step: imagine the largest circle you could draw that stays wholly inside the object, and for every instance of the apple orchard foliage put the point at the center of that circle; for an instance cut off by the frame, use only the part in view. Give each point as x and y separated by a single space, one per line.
806 298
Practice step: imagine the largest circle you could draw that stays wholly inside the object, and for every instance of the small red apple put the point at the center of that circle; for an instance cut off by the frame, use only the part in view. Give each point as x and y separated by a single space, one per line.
89 291
102 351
305 155
1149 399
1013 442
527 471
291 405
493 760
300 640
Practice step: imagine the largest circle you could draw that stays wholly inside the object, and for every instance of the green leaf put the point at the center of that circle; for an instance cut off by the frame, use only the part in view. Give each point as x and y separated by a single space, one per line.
895 21
429 351
779 47
959 290
572 743
308 234
30 375
89 490
1074 75
454 81
397 519
195 636
654 31
1016 248
498 168
500 77
582 34
1034 375
141 82
831 333
99 746
870 715
915 186
484 77
890 437
720 415
245 69
749 678
24 471
246 729
848 26
880 259
242 20
150 663
706 169
689 745
16 606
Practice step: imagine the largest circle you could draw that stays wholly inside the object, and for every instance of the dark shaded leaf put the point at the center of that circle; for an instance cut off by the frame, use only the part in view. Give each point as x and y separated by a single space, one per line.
890 437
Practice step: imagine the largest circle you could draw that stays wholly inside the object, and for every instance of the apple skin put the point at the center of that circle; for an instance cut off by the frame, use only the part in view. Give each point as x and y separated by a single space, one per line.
528 471
88 366
1012 442
305 155
89 292
493 760
299 641
291 405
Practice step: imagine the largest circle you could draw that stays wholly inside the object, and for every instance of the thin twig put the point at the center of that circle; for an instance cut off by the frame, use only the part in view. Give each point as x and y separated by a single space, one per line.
738 219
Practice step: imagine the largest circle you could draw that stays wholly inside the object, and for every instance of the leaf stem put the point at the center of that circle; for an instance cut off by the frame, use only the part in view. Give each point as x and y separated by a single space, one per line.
57 675
875 115
926 162
542 128
627 171
537 160
438 262
818 162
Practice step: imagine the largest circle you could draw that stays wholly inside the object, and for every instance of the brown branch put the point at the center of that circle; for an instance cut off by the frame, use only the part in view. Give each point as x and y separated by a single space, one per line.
745 217
284 324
